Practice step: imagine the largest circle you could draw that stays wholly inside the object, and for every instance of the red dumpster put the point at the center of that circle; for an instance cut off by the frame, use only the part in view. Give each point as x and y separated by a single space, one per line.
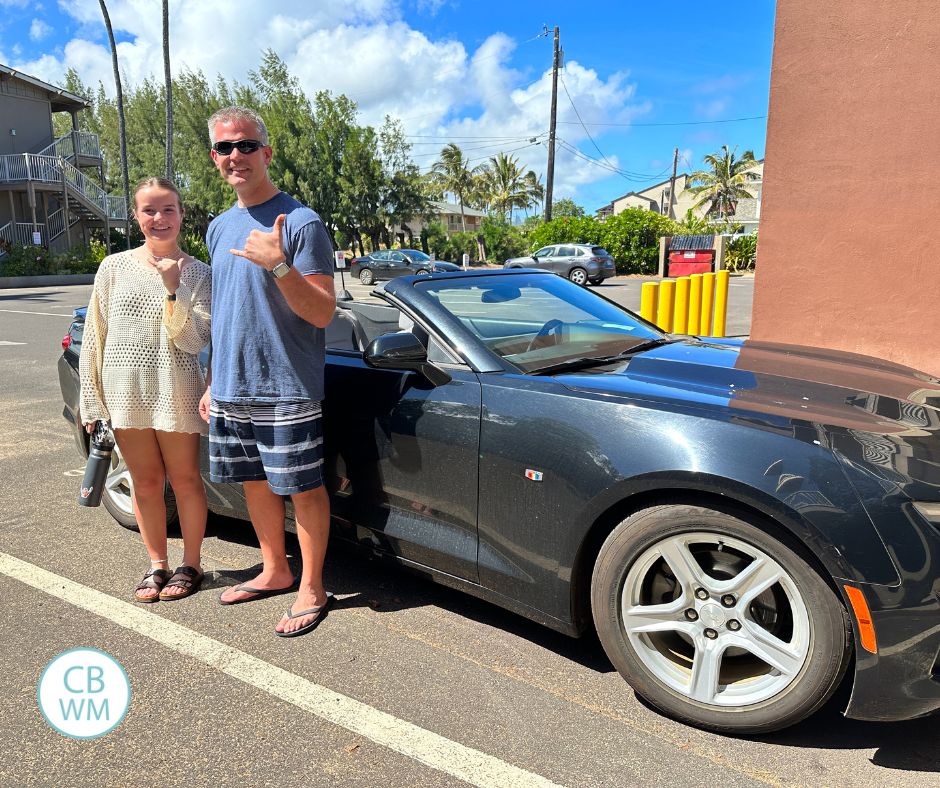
684 263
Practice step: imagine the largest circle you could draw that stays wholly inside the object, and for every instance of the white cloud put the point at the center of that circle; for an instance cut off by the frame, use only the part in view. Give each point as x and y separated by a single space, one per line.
38 30
713 109
365 49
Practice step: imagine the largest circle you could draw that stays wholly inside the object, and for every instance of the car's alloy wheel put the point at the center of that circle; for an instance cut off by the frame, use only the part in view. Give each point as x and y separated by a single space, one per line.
366 276
423 272
578 276
716 622
117 497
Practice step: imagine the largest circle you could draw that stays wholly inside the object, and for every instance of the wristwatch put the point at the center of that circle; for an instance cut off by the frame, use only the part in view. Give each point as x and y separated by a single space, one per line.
280 269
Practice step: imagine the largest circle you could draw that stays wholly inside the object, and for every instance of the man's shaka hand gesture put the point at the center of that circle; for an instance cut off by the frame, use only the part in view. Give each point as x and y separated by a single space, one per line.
265 249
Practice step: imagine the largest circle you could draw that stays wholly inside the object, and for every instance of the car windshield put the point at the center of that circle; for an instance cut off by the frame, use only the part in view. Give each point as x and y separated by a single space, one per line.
417 257
541 322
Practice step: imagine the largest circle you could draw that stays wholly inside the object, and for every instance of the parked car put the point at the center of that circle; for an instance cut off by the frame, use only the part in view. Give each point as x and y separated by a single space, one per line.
744 524
581 263
391 263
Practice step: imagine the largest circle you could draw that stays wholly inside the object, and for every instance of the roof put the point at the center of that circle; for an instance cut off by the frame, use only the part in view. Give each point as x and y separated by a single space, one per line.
452 207
689 243
61 100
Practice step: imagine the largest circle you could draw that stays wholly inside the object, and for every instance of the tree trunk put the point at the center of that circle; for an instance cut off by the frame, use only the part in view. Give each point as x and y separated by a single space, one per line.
463 219
169 89
122 133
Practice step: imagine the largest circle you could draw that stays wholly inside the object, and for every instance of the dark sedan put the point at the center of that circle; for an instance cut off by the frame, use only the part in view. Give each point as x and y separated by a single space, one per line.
745 525
392 263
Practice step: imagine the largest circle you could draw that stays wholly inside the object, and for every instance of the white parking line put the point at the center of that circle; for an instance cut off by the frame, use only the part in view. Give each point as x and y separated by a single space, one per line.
23 312
424 746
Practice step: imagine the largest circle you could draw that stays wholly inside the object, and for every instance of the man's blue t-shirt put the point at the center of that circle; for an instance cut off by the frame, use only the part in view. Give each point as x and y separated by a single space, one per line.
261 350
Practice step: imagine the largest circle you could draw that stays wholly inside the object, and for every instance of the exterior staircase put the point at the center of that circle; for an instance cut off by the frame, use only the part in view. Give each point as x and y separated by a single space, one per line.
56 164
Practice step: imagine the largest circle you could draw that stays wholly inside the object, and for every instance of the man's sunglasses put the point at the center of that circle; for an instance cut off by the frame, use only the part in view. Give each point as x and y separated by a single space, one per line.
224 147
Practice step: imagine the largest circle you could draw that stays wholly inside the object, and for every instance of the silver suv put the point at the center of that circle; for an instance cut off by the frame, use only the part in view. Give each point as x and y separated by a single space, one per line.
581 263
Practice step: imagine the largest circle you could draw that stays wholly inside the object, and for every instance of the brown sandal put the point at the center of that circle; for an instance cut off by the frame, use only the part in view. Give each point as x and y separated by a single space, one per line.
155 579
184 577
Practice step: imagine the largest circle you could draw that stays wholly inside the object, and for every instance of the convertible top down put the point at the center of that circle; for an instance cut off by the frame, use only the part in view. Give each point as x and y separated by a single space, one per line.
743 523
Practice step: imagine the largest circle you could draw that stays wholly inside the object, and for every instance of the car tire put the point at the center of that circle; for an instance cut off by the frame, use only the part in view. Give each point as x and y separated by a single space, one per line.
697 660
579 276
423 272
366 276
118 493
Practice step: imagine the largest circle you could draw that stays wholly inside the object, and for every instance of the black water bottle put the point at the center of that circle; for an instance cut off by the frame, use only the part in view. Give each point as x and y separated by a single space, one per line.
99 462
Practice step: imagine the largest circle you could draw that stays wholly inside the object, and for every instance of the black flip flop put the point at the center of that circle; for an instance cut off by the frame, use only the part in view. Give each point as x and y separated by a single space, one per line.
259 593
319 612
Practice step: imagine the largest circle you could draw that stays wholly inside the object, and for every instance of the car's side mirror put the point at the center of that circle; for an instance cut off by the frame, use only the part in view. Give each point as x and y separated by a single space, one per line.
404 351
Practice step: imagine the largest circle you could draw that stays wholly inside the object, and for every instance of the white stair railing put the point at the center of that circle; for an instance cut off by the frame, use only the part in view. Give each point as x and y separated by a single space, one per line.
19 233
50 169
82 142
55 222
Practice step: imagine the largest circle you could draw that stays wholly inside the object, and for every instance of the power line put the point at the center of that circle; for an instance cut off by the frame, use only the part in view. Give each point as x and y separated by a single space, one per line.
488 156
680 123
449 137
578 114
634 177
477 147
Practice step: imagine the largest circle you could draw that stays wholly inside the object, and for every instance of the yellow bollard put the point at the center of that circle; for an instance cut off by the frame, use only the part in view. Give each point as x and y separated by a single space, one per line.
649 293
708 298
664 312
681 317
695 303
721 303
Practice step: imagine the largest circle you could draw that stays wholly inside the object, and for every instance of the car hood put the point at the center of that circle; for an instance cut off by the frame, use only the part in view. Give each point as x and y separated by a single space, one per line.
825 387
528 260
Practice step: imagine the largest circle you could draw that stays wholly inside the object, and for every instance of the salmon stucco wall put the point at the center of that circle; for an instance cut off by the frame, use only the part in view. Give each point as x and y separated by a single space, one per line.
849 253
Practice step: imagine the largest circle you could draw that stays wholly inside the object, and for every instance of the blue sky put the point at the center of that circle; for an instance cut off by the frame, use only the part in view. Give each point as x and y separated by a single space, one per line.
644 78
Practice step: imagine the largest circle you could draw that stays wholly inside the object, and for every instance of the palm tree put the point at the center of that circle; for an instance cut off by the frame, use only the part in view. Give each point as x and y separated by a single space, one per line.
122 133
509 186
724 184
535 190
453 175
169 89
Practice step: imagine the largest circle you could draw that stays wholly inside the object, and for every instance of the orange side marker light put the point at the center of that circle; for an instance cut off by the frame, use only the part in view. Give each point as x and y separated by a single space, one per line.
866 629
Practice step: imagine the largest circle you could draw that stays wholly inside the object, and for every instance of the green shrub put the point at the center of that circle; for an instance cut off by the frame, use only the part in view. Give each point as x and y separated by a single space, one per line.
26 261
502 240
194 245
435 236
741 254
631 237
38 261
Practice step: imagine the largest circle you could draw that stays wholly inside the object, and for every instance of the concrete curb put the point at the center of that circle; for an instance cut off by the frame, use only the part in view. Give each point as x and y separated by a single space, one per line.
54 280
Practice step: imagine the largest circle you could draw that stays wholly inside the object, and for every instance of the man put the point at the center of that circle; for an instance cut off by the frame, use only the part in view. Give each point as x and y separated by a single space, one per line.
272 277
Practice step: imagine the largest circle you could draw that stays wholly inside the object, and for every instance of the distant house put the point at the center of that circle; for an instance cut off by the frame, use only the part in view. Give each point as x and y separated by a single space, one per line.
448 214
50 189
656 198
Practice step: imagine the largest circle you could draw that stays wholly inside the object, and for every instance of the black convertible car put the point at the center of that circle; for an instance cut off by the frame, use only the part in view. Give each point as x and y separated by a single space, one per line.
392 263
745 525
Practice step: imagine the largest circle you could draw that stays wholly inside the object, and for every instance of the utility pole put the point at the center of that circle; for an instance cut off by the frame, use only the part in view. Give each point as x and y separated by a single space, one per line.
550 177
672 185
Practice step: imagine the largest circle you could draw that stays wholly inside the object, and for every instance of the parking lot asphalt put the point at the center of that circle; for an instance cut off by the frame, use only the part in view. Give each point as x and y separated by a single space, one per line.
405 683
625 290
